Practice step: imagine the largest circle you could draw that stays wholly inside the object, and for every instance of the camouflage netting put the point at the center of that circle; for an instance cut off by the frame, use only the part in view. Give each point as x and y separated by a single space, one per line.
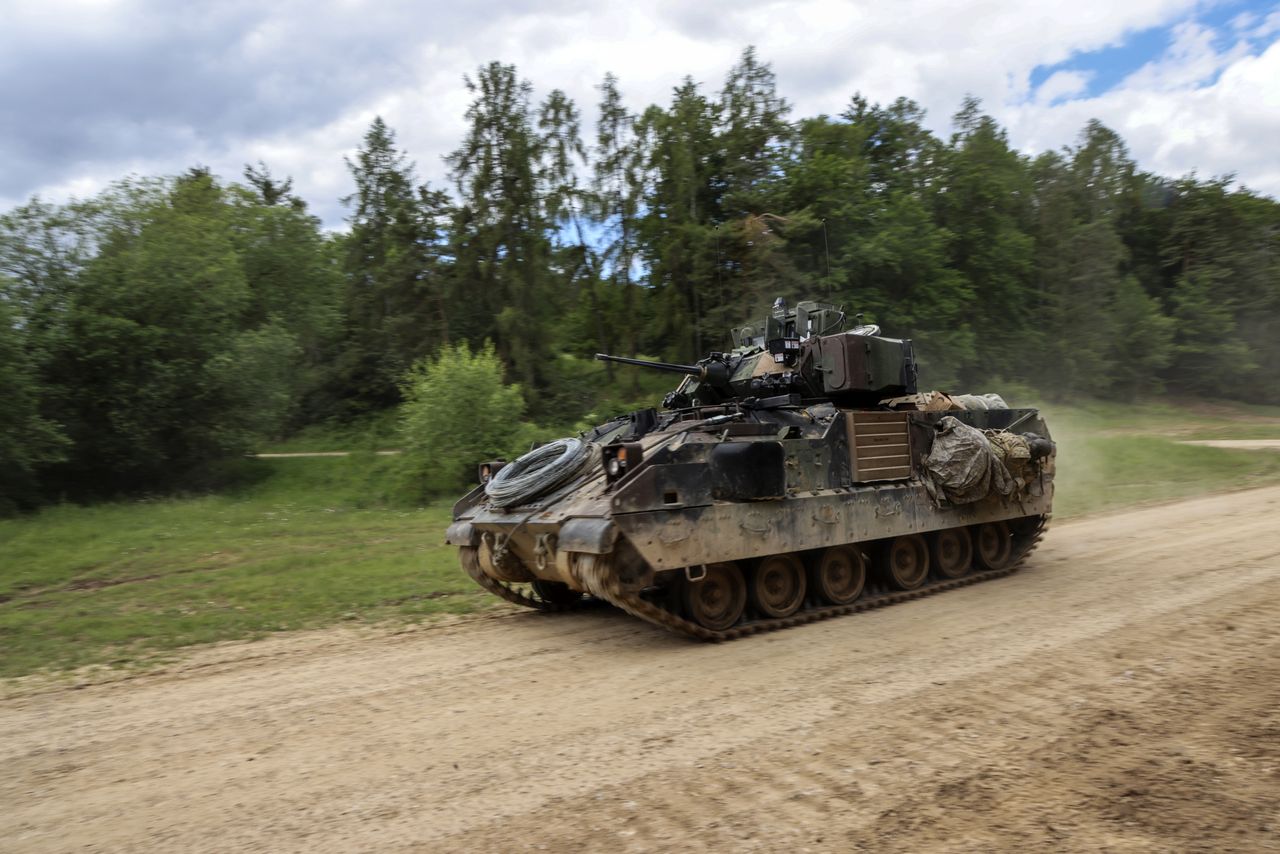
967 464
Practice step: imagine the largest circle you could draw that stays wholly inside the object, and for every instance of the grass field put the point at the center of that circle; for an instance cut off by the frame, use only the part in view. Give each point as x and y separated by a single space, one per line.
315 541
1112 455
309 544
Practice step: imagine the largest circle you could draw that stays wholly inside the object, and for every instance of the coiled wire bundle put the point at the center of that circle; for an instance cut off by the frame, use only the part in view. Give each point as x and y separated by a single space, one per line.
539 471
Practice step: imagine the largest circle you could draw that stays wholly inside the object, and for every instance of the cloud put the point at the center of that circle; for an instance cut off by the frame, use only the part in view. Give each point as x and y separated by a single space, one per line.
1199 107
1061 85
94 89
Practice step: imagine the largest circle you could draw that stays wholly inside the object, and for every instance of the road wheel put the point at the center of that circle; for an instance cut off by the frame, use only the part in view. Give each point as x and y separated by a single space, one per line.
778 585
905 561
840 574
952 551
717 600
994 545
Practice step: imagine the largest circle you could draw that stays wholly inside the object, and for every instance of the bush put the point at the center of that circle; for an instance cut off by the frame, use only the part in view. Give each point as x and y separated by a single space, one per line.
457 412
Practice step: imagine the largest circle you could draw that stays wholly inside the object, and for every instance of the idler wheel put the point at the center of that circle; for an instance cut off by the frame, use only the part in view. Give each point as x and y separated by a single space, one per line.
556 592
840 575
994 545
952 551
778 585
905 561
717 600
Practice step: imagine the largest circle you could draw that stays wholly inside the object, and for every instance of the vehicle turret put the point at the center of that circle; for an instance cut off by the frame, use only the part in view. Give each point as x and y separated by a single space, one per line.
800 351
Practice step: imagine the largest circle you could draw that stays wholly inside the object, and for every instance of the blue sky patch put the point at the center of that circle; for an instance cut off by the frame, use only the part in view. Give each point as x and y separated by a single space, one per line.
1107 67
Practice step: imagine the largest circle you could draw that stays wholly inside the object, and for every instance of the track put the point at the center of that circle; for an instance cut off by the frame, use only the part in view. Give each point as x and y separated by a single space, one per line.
602 583
1120 692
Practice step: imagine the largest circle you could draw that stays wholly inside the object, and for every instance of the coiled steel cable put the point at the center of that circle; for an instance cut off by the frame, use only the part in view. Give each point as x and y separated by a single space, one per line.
538 471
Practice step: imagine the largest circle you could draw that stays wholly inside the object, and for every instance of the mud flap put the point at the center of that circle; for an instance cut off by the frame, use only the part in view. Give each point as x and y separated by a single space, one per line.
590 535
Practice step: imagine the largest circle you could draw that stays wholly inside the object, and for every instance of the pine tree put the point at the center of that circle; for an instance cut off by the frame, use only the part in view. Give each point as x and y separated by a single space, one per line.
502 233
618 188
397 287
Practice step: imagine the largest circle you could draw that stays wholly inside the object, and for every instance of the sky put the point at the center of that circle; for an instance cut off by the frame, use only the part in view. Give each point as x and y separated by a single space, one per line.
94 90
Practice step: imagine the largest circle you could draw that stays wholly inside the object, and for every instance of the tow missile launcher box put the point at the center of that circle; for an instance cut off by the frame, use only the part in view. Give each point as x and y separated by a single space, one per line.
799 475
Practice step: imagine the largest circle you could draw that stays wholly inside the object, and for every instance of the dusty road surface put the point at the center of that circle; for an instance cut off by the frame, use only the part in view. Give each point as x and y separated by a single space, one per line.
1241 444
1121 693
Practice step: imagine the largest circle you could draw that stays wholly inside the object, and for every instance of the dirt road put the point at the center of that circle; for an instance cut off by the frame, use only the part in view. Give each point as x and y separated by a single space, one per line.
1239 444
1122 693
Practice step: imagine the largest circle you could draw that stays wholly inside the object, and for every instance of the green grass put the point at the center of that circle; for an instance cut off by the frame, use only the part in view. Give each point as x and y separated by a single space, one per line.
1114 455
316 541
306 546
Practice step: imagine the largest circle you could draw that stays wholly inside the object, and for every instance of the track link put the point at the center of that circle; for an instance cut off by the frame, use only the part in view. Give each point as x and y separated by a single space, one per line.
599 581
516 595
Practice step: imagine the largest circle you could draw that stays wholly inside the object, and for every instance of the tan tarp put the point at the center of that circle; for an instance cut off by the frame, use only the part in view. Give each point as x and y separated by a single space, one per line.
925 401
966 464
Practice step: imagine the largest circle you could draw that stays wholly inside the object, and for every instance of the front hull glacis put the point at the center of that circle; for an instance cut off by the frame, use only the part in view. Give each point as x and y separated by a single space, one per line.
799 512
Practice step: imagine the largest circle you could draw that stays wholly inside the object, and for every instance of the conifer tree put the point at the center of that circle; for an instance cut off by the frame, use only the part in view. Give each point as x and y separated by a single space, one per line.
502 240
397 294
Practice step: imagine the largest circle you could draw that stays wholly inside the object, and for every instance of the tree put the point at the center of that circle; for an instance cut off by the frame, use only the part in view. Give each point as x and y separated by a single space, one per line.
271 191
1209 357
28 441
677 230
502 230
618 190
457 413
567 203
160 371
753 130
1081 199
985 211
1142 343
397 300
873 243
295 283
1222 261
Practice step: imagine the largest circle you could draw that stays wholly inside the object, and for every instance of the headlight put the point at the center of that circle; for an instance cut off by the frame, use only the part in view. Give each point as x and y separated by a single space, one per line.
487 469
619 459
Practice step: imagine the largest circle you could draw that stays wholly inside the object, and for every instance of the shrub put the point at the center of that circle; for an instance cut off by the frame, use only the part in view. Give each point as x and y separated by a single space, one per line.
457 412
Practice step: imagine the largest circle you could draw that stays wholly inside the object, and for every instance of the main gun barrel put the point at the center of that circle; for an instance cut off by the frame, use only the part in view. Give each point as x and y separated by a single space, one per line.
692 370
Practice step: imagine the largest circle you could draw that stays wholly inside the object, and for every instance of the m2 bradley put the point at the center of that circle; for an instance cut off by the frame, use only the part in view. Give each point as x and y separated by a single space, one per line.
799 476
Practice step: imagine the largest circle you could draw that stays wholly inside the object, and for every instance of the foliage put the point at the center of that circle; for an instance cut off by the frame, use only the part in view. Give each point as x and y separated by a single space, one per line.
27 440
161 327
457 412
502 245
169 323
396 302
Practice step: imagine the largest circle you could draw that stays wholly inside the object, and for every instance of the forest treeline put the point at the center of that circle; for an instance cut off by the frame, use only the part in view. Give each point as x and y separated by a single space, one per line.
168 322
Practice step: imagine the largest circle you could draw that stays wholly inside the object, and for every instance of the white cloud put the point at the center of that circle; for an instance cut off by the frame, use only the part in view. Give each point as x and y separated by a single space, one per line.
1197 108
92 90
1062 84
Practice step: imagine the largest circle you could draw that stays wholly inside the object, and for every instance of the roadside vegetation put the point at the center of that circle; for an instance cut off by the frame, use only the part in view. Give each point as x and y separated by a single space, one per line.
169 323
309 542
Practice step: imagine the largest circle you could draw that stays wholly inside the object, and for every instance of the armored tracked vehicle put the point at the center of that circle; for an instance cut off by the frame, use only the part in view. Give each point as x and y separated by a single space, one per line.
798 476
